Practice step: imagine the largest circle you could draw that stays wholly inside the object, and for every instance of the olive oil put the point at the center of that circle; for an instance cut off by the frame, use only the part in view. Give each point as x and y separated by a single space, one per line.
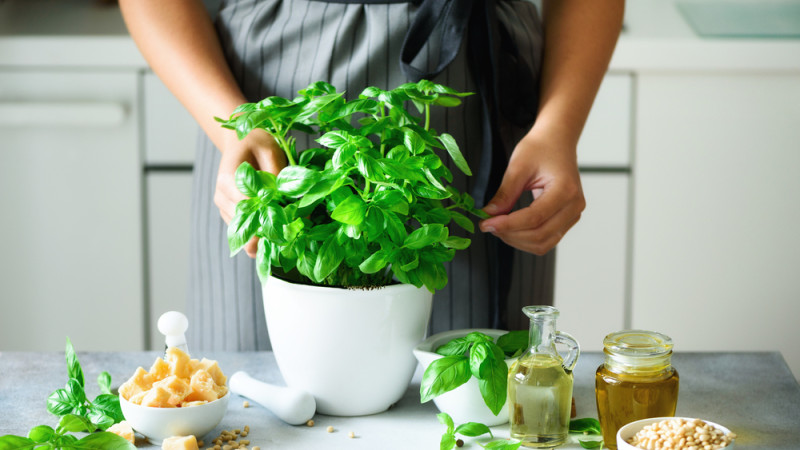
636 381
540 401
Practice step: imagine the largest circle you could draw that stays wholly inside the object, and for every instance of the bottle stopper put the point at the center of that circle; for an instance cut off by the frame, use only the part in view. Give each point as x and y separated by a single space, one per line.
173 325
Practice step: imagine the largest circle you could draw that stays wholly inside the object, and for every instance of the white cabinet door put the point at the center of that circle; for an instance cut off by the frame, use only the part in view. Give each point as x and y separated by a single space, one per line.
70 195
605 141
168 201
591 262
716 241
170 131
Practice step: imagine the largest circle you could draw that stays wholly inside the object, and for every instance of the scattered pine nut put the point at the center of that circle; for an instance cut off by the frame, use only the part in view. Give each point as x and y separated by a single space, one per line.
237 431
256 448
330 429
247 429
244 433
310 423
246 404
351 435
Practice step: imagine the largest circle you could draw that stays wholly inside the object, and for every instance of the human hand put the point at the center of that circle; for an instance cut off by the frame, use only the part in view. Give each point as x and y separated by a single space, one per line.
261 150
549 169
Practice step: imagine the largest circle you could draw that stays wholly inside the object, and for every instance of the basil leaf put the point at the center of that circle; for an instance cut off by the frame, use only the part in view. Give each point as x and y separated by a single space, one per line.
432 274
425 235
295 181
591 444
72 423
447 421
65 441
447 442
103 440
455 154
502 444
263 263
444 375
343 155
329 183
329 258
448 101
493 386
274 223
73 366
109 405
513 341
334 139
413 141
104 381
473 429
368 167
100 419
60 402
11 442
41 433
586 425
458 346
374 223
374 263
456 242
476 336
462 221
480 360
350 211
430 192
242 228
247 180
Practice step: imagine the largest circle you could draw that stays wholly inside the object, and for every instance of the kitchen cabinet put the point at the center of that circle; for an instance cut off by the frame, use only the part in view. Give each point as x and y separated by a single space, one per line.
592 258
715 242
72 222
170 135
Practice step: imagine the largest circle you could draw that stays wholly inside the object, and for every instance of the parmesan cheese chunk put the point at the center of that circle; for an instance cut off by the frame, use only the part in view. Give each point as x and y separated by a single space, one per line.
124 430
179 443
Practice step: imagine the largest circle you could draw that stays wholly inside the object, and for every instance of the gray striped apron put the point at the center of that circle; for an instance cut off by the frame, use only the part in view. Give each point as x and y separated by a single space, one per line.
276 47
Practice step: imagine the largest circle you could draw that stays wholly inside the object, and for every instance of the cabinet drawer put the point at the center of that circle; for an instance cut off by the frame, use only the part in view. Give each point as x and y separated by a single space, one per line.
591 263
71 260
168 223
170 131
606 138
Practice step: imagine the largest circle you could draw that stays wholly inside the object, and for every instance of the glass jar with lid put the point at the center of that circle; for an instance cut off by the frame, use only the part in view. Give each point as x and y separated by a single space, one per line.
636 380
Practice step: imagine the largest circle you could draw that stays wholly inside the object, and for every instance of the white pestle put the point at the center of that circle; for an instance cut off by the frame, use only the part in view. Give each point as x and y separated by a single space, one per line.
173 325
292 405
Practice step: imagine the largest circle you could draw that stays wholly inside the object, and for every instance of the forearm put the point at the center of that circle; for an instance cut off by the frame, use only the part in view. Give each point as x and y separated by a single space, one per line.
179 42
579 39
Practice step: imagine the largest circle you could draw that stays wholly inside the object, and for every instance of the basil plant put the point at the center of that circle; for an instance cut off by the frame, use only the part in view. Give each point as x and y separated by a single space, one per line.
370 205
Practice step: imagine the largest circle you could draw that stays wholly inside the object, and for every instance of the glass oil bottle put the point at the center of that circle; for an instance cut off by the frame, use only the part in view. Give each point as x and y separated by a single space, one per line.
540 383
636 381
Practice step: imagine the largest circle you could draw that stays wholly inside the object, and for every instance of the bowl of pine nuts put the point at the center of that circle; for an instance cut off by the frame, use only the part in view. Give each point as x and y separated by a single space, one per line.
677 433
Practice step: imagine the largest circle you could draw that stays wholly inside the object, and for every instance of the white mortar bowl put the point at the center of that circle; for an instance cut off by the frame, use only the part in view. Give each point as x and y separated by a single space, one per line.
157 424
464 403
630 430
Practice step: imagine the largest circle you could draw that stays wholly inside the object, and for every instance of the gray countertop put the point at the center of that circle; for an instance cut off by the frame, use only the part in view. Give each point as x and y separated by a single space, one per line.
753 394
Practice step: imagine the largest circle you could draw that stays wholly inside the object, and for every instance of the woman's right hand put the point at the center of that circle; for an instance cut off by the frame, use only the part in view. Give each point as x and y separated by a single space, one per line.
258 148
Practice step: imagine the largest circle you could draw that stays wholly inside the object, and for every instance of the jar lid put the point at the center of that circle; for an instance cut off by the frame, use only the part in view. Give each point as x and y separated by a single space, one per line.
638 344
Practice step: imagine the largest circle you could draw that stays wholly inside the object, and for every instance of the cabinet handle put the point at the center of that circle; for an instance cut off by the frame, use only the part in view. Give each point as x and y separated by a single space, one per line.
60 114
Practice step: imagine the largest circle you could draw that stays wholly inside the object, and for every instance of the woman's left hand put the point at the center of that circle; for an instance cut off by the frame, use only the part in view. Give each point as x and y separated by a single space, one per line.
547 168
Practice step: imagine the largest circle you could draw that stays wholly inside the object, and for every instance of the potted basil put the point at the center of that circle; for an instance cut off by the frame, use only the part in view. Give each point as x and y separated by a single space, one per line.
353 235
